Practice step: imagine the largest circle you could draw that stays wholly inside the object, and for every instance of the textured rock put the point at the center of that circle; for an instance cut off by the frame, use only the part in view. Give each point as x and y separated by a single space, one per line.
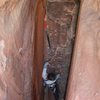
84 81
61 20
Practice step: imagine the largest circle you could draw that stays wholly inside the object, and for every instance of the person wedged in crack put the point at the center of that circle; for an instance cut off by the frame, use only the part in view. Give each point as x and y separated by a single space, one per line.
50 80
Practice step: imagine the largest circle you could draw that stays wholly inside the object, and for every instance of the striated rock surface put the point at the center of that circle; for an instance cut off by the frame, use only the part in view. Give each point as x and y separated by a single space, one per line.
84 81
16 49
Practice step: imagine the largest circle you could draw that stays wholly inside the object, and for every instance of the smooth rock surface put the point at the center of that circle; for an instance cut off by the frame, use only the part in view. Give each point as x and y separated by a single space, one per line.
84 80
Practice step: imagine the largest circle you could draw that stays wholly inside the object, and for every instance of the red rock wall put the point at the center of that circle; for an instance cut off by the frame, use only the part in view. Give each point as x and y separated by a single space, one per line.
84 80
16 57
38 46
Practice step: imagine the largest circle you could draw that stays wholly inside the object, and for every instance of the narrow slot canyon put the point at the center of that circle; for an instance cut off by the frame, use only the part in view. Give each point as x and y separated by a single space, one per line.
32 33
49 50
61 22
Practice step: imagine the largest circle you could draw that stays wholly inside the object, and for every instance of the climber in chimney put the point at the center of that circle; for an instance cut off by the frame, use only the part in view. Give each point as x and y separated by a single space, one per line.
50 80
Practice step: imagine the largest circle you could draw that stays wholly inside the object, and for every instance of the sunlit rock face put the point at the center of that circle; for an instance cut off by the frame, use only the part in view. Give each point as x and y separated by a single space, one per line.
16 49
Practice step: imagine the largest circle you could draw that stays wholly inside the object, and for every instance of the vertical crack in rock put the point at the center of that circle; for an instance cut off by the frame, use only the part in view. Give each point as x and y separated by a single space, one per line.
61 22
